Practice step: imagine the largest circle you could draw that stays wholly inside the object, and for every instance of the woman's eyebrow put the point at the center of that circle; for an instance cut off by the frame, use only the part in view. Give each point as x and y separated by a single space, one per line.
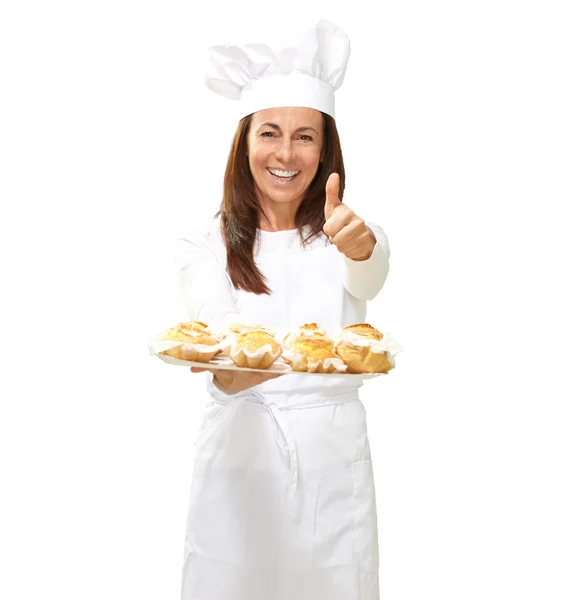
275 126
306 129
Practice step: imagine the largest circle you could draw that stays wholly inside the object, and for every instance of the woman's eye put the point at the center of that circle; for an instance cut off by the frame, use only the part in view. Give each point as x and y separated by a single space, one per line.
305 138
267 134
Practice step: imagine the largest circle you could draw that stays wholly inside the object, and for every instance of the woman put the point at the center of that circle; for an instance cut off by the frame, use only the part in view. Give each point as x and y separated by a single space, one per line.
282 503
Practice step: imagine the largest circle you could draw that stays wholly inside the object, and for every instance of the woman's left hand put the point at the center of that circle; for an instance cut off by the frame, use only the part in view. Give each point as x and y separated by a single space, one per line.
346 230
232 382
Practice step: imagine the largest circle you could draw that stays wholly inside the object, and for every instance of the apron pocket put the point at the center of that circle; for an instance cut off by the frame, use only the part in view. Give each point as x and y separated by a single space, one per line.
365 518
334 519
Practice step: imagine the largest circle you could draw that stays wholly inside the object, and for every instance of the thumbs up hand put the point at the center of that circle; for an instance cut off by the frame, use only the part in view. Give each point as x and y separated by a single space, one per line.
346 230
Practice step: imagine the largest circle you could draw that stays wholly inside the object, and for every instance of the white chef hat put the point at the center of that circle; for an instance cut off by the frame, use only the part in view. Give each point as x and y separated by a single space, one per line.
301 69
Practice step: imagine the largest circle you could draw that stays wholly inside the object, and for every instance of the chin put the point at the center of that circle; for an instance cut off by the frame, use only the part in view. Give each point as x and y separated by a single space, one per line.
282 198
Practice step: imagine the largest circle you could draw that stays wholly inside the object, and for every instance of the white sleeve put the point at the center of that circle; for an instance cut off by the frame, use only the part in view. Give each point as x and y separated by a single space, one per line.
364 279
204 283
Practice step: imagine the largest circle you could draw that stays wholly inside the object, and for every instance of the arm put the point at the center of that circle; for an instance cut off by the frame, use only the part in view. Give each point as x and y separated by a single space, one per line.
204 284
208 296
364 245
365 278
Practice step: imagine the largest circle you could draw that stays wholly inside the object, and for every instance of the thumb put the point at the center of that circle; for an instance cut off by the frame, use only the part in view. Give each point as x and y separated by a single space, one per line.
332 195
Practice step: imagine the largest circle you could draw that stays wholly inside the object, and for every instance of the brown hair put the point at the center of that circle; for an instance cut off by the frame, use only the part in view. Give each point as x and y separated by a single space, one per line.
240 206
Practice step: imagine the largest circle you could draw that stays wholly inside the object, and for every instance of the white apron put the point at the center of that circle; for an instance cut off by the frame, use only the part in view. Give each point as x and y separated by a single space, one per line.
282 502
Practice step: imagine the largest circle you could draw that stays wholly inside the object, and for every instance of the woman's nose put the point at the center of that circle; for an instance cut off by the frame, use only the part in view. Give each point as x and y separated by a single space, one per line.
284 151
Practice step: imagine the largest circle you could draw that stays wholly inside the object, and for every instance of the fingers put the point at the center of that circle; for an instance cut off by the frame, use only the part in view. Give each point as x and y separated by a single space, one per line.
347 232
270 376
339 219
352 239
354 252
251 375
233 382
199 370
332 195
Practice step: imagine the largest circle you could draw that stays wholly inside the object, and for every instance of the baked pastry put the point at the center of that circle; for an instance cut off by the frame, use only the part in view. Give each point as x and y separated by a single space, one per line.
313 354
254 349
242 328
312 329
308 330
363 349
196 342
231 333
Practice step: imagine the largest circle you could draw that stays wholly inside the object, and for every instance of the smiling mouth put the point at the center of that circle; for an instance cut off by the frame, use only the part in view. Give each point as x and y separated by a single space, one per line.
282 176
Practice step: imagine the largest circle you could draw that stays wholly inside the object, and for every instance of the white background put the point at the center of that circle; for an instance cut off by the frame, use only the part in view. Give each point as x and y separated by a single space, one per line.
454 125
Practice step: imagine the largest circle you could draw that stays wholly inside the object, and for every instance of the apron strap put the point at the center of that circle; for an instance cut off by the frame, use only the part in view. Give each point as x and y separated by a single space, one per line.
279 422
279 425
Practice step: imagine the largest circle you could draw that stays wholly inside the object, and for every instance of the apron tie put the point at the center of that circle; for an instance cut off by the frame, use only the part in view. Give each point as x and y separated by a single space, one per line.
279 423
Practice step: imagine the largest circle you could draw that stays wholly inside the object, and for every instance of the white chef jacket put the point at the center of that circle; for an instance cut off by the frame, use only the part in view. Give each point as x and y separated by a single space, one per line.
283 504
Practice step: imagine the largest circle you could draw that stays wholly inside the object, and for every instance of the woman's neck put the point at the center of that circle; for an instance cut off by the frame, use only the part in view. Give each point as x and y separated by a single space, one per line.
278 216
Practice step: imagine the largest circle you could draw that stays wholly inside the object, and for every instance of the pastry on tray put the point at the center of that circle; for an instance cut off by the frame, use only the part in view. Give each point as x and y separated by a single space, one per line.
242 328
254 349
363 349
197 342
308 330
313 354
359 348
230 334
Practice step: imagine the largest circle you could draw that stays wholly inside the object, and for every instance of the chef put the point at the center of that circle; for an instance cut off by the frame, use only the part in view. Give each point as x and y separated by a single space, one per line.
282 502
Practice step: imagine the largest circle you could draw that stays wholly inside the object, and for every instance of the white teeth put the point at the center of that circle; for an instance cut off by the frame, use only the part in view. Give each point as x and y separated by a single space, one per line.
280 173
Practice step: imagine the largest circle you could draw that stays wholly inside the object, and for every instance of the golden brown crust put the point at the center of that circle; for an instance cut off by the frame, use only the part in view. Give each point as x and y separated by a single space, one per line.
256 339
364 329
312 352
309 329
251 342
193 333
361 360
193 355
315 347
238 329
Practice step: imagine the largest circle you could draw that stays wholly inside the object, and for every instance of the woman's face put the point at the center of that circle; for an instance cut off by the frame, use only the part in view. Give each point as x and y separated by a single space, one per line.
284 148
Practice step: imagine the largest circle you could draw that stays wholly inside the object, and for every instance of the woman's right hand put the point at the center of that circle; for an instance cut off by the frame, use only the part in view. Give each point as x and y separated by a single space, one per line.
233 382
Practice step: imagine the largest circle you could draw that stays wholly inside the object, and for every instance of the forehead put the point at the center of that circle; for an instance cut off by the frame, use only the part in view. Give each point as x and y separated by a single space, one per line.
289 117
